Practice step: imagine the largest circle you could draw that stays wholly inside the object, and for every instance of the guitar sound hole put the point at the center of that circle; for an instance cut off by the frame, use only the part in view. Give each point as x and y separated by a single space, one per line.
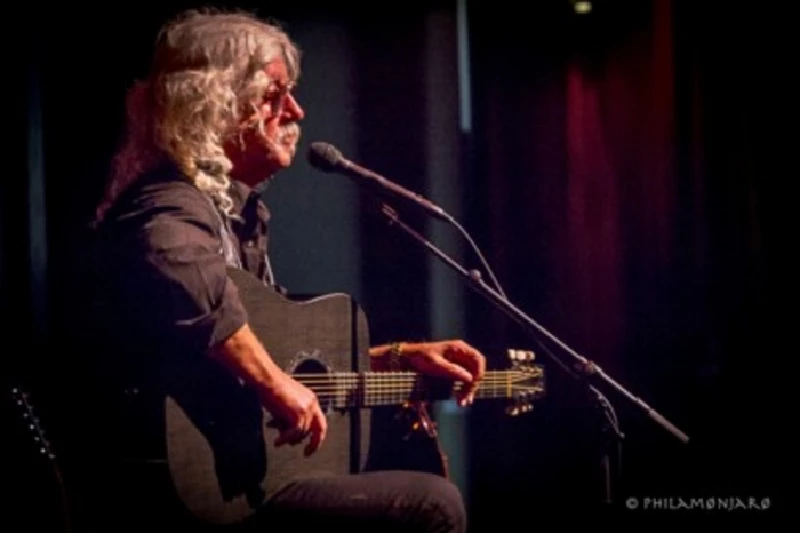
316 376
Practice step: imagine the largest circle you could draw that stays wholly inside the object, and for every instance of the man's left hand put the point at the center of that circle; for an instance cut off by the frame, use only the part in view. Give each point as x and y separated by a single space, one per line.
452 359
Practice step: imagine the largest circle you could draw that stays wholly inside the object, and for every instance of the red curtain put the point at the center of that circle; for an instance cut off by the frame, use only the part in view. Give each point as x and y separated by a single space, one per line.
579 152
618 163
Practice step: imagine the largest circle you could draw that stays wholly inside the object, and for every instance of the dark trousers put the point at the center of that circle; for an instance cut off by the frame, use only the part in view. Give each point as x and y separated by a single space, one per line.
139 497
391 501
376 502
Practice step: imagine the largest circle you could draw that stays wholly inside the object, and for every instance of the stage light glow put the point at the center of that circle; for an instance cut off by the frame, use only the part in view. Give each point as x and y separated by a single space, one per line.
583 8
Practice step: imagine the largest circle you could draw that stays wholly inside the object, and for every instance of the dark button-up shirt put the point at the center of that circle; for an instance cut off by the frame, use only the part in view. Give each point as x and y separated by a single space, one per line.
164 269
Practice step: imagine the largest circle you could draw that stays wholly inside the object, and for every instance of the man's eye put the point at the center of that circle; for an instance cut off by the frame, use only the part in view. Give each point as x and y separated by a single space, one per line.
276 96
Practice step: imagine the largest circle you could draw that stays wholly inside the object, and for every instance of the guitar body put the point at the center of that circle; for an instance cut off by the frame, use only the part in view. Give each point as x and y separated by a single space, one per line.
214 440
219 442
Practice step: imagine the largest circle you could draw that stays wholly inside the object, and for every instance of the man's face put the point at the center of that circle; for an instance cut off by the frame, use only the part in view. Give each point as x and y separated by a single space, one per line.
258 155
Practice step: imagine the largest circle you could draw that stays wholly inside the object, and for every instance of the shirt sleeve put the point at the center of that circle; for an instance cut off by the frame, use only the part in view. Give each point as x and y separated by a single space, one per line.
186 287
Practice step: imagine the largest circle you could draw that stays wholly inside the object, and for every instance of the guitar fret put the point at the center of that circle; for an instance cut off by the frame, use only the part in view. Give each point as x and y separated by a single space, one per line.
369 389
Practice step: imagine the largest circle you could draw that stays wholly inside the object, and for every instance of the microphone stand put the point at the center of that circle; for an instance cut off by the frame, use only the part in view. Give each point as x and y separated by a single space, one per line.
579 367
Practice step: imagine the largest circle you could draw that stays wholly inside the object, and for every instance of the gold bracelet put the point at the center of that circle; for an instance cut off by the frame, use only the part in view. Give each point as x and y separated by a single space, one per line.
396 356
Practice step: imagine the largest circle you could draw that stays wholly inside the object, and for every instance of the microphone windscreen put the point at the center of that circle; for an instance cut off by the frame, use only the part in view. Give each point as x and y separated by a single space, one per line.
324 156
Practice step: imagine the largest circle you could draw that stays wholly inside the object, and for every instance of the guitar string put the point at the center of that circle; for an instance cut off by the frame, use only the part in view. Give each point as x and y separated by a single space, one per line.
404 390
322 382
332 388
411 376
399 383
378 398
330 394
407 391
395 381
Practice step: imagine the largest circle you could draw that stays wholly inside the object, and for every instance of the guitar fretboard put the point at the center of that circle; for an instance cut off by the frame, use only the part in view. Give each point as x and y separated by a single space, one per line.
371 389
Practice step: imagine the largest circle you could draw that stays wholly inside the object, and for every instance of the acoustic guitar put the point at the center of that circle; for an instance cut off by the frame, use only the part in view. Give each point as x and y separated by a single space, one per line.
219 439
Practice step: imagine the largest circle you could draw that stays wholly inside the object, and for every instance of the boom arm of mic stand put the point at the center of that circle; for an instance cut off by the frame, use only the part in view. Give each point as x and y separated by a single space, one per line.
579 367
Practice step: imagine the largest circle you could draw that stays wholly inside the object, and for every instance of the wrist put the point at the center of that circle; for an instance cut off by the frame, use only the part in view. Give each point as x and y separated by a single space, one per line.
394 357
389 357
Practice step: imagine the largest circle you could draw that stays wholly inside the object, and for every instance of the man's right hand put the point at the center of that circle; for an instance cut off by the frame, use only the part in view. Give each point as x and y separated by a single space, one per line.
292 404
297 409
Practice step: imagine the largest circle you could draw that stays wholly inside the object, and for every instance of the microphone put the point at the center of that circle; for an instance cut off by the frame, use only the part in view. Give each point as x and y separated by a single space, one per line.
327 158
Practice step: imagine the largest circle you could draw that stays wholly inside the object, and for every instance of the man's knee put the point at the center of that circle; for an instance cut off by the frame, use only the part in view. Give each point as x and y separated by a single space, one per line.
443 505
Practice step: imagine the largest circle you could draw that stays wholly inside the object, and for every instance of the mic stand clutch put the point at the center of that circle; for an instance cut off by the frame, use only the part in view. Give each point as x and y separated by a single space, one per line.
579 367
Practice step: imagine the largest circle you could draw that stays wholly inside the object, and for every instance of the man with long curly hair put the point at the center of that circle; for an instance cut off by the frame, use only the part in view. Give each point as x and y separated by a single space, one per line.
215 119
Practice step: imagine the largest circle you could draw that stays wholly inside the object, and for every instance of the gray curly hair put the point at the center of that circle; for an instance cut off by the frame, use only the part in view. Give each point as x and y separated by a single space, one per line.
207 74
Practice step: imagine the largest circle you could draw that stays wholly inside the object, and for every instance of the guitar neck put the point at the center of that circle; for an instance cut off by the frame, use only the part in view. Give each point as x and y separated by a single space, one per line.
373 389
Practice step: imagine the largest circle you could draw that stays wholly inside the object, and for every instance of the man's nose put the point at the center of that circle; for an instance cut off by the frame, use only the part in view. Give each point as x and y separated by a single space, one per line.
292 108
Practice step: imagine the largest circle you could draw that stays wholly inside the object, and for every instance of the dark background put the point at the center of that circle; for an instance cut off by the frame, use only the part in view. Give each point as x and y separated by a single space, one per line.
616 171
